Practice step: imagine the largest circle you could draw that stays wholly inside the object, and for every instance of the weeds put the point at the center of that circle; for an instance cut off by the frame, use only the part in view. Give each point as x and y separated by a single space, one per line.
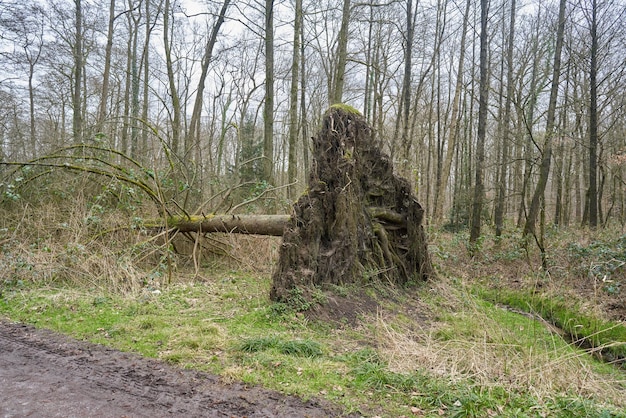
303 348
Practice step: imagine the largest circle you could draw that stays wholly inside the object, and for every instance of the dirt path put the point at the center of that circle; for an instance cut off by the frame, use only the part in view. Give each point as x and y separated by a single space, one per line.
44 374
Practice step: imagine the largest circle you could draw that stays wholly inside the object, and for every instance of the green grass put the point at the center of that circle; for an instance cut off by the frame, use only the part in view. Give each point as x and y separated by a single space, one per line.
472 359
583 329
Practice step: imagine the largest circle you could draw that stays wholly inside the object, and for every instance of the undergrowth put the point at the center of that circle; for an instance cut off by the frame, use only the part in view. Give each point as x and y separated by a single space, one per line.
447 348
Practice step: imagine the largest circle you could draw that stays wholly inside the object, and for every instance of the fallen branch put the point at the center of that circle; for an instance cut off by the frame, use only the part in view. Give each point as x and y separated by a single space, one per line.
241 224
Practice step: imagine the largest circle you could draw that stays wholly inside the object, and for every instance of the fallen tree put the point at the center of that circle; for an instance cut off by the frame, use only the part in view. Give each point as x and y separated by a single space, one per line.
357 222
273 225
240 224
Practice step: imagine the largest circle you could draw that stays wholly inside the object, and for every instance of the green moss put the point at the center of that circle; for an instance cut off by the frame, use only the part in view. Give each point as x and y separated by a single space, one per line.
345 108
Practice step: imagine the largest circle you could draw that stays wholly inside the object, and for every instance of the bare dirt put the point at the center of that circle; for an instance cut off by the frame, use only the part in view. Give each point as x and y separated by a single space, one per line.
45 374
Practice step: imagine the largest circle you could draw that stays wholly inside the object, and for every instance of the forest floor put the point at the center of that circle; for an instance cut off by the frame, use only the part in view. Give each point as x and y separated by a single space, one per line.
491 335
43 373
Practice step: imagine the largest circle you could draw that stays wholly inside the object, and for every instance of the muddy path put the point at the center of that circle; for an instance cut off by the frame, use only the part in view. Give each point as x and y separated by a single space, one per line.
44 374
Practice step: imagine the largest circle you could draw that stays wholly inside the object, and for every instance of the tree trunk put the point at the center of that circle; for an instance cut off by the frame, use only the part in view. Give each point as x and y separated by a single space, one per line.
500 208
194 124
173 90
104 98
335 96
358 221
268 108
593 121
544 168
454 122
238 224
292 169
77 119
477 201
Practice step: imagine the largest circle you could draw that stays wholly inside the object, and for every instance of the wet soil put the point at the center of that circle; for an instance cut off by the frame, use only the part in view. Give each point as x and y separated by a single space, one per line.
45 374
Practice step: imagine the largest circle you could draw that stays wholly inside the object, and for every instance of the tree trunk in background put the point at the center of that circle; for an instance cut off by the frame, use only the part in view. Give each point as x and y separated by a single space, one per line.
544 169
193 136
358 221
126 96
77 119
453 130
336 94
405 98
506 125
134 76
477 201
106 74
145 65
560 160
303 103
593 120
268 109
292 169
529 116
173 90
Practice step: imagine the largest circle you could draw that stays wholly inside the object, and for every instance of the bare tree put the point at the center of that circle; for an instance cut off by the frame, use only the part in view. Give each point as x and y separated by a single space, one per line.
292 171
453 129
173 89
77 118
544 169
106 74
336 93
592 193
268 112
25 26
506 128
194 124
477 202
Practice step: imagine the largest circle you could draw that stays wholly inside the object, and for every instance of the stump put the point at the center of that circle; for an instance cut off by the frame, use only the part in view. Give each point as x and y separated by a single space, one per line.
356 223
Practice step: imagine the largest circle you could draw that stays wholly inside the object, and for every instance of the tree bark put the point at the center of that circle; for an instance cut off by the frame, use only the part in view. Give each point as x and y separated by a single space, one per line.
593 120
77 118
544 168
335 96
194 124
292 171
454 122
173 90
477 201
272 225
268 108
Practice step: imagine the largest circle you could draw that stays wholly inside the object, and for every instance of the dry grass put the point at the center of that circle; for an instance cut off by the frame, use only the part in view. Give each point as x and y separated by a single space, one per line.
76 246
83 244
491 351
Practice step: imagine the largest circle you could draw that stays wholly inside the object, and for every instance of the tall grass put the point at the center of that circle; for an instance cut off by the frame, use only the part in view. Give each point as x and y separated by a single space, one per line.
494 347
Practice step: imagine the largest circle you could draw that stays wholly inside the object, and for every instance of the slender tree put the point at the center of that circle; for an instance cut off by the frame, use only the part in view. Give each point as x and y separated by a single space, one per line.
106 73
173 89
268 109
453 129
192 138
544 169
592 193
506 127
293 101
477 201
336 93
77 118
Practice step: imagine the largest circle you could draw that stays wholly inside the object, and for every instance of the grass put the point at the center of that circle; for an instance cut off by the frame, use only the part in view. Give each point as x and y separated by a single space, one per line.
447 348
473 360
588 331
